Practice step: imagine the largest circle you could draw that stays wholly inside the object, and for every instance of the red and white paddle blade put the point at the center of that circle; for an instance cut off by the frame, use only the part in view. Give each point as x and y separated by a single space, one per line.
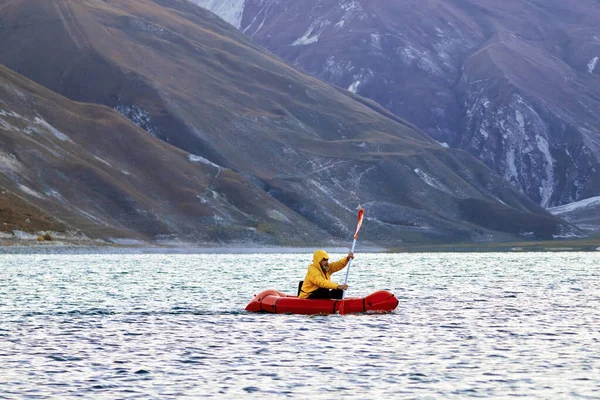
361 214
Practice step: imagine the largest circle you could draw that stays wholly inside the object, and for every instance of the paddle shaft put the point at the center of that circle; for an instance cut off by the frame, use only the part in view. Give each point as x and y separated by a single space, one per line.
348 268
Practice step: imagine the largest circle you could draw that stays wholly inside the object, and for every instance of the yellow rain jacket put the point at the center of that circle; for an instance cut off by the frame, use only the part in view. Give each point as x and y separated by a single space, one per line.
316 278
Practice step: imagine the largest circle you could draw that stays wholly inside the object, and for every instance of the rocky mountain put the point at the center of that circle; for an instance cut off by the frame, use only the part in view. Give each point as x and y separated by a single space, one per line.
516 83
231 143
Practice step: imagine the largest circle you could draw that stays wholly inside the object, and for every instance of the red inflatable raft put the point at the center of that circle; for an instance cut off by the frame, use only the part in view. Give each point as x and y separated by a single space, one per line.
277 302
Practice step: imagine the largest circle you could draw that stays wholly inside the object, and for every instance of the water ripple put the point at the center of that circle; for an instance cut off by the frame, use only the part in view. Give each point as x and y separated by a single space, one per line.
173 326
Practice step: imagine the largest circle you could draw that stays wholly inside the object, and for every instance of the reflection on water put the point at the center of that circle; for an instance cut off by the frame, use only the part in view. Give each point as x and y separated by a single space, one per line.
173 325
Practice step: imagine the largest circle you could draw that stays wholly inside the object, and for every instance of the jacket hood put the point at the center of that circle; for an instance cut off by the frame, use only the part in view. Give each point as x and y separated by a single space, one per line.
319 255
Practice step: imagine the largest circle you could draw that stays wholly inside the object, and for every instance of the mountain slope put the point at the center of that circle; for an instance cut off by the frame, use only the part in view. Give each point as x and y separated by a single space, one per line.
584 213
16 215
97 173
516 83
192 80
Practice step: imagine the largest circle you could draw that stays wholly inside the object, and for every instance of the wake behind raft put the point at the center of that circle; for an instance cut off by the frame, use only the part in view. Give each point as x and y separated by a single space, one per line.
273 301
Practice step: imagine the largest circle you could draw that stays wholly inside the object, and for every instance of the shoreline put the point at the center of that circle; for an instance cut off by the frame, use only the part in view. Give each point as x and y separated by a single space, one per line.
79 244
86 247
91 247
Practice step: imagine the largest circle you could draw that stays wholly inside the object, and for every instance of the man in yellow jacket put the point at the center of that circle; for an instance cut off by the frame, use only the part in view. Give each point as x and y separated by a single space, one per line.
317 283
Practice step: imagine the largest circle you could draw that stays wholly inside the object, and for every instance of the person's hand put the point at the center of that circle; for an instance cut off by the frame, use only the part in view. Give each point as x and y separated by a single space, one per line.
343 287
350 256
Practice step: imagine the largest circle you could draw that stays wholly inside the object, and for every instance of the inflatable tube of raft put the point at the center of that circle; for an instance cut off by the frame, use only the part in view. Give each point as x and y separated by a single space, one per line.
273 301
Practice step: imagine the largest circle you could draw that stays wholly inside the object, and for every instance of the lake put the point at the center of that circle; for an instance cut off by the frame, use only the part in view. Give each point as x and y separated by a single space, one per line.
126 325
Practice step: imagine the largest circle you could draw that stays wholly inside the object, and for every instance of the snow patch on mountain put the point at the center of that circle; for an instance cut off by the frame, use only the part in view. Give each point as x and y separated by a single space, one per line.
38 124
54 193
354 87
201 160
520 121
202 199
264 11
422 58
10 113
58 134
277 215
146 26
306 39
138 116
361 78
407 54
592 65
566 208
376 41
547 184
9 163
350 9
431 181
350 6
511 173
335 70
11 88
230 10
90 216
30 191
103 161
311 35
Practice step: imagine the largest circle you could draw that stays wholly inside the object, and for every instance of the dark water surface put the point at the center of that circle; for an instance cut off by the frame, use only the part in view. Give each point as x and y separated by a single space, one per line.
173 326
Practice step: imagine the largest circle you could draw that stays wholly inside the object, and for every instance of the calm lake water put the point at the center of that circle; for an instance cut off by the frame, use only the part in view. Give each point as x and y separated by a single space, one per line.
165 326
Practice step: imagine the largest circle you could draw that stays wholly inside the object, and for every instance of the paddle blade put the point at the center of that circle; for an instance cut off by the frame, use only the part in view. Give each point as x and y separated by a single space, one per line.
361 214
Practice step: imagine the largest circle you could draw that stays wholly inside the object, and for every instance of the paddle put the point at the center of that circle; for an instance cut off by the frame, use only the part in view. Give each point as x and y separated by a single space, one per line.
361 214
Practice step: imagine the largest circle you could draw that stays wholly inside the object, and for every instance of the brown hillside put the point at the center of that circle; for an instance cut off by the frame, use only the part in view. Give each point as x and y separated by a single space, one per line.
90 167
17 214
